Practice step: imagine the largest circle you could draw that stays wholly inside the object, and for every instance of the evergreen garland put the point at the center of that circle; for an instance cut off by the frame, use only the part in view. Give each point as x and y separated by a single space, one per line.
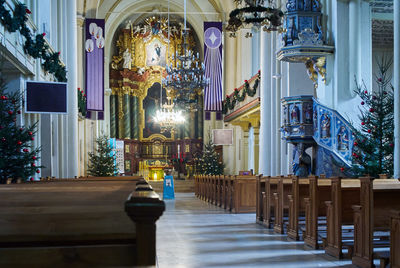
230 101
18 158
374 141
101 162
37 47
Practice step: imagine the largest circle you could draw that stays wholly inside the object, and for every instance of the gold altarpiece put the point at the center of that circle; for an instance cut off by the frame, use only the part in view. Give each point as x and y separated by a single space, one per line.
142 53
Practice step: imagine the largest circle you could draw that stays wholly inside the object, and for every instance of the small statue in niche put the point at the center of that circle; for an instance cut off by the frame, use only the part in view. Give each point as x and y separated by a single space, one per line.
343 139
127 59
301 161
285 114
315 119
295 115
325 126
308 113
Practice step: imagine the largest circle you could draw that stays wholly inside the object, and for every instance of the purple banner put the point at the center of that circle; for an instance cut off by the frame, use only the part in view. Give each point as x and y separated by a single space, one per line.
94 52
213 65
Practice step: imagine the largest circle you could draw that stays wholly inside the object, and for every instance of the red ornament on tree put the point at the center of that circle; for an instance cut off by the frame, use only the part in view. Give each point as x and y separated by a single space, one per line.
362 123
33 138
342 169
44 34
10 112
38 171
28 11
31 179
3 97
34 157
236 89
355 143
3 139
369 131
384 92
21 129
245 81
26 150
30 133
391 145
33 165
19 142
362 103
366 92
372 110
19 112
59 53
379 79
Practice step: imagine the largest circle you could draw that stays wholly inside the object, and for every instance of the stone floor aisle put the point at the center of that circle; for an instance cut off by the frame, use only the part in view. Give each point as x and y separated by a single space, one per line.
193 233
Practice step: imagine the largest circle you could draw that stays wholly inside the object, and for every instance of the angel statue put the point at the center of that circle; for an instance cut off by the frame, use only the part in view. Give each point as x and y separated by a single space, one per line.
127 59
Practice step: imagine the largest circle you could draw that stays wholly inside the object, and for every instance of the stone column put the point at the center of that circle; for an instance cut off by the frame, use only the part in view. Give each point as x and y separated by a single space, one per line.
265 111
396 75
113 115
245 148
277 115
257 150
192 127
127 115
200 121
353 42
273 106
135 118
72 117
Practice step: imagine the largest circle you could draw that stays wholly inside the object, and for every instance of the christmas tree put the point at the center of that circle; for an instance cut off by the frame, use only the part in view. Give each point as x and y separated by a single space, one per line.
18 158
374 142
101 162
208 163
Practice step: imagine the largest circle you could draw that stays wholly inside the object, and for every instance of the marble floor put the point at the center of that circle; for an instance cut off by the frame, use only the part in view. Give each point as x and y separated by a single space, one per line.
193 233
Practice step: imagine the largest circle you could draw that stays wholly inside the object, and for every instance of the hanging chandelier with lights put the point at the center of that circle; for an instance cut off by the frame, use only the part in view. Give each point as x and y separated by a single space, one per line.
167 117
259 13
187 79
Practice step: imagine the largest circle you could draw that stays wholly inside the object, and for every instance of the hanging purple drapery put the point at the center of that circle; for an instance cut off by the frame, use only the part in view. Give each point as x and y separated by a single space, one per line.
94 52
213 65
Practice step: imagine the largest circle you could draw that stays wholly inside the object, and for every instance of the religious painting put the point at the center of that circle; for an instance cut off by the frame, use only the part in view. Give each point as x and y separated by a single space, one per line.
150 105
156 53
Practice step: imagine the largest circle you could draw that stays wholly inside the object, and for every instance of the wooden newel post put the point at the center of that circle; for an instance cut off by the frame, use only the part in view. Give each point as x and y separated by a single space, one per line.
144 207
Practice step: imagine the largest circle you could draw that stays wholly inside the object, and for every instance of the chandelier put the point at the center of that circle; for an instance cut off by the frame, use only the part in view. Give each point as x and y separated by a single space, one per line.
257 13
167 117
187 79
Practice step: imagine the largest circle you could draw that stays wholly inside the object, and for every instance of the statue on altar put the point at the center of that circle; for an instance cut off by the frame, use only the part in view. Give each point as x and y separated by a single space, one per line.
127 59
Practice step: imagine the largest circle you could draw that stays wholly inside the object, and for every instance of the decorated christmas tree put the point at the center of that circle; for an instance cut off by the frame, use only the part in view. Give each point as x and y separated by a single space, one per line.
18 158
374 142
208 163
101 161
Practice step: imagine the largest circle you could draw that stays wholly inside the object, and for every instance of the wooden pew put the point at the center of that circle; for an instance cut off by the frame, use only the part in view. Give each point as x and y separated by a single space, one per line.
260 190
243 194
395 239
271 185
300 190
78 222
281 200
344 194
315 208
377 199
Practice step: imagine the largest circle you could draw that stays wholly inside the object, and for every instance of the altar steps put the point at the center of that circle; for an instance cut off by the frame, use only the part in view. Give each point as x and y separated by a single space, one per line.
181 186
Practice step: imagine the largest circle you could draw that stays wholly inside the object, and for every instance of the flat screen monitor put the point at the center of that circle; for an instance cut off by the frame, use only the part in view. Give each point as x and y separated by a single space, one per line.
46 97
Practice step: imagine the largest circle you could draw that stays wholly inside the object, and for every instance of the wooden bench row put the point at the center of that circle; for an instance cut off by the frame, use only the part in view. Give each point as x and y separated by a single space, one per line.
233 193
79 223
340 213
